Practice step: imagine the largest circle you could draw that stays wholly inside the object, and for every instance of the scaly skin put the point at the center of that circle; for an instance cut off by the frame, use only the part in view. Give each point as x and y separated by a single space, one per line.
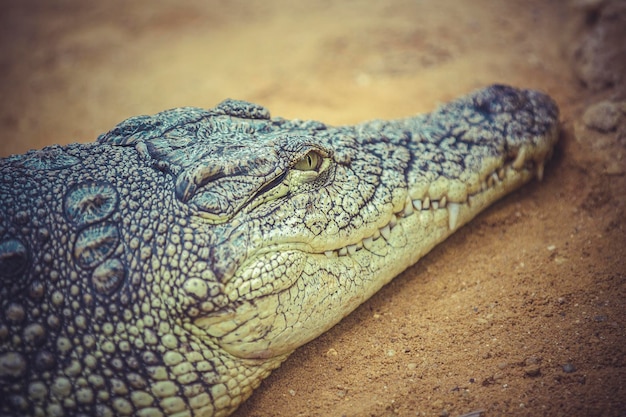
169 267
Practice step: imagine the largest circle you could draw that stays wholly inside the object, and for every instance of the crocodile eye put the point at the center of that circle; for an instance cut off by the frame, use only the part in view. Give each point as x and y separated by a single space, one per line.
309 162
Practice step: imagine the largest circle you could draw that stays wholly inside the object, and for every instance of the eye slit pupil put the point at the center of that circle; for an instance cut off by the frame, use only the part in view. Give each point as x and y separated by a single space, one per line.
309 162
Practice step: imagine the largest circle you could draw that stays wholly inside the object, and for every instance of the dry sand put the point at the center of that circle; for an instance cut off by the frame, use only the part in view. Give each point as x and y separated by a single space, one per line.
522 312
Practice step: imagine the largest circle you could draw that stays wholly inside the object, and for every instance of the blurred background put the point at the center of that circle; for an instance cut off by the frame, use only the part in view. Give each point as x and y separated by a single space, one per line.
519 313
71 69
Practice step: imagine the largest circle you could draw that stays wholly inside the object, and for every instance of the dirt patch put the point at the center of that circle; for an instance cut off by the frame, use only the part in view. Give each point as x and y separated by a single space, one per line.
522 312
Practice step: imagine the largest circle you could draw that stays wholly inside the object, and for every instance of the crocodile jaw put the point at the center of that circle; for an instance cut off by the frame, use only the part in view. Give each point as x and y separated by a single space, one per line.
334 283
156 270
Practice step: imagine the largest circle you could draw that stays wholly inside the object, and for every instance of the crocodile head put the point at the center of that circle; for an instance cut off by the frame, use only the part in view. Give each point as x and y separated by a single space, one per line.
303 222
169 267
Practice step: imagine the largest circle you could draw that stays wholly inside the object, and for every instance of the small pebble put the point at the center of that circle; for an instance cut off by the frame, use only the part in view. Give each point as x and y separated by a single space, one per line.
533 371
568 368
602 116
331 353
488 381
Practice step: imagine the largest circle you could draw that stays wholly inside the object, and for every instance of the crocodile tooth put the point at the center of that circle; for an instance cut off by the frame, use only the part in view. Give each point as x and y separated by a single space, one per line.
393 221
376 235
453 214
351 249
385 232
520 159
426 204
368 242
329 253
417 204
483 185
443 202
540 171
343 251
408 207
435 204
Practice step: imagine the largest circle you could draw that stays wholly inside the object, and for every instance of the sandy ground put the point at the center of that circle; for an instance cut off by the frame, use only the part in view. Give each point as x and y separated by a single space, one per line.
522 312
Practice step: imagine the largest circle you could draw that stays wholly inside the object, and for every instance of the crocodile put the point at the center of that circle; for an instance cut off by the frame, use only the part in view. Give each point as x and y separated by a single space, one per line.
168 267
